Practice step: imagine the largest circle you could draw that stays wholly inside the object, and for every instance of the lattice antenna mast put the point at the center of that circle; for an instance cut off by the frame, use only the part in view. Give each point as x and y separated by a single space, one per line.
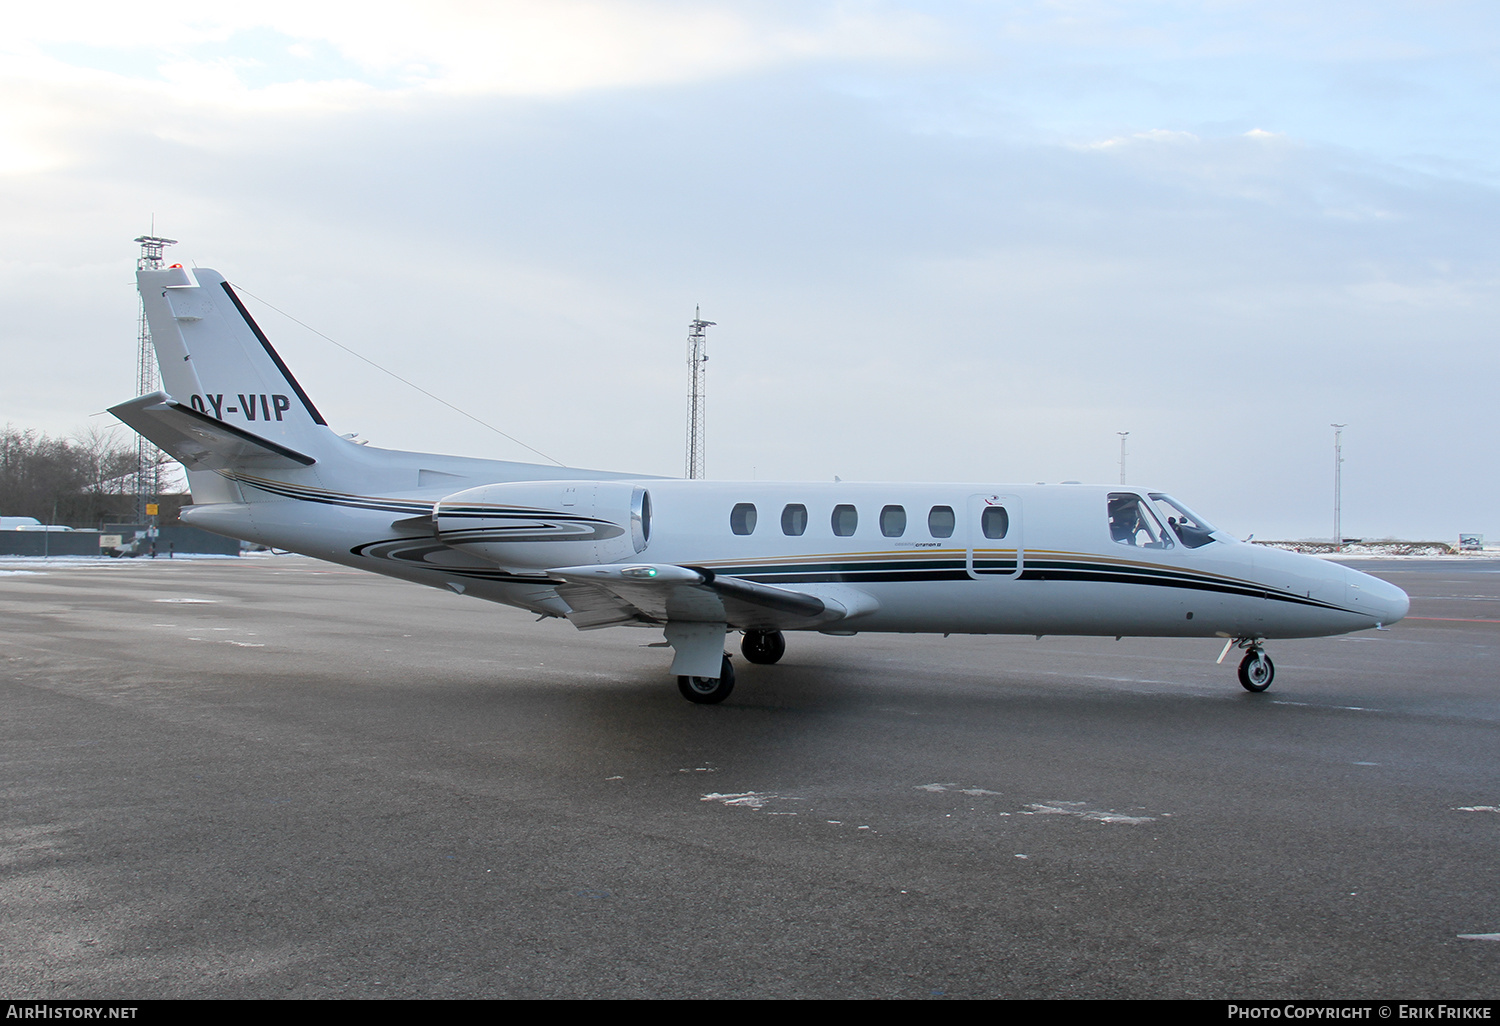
147 457
696 394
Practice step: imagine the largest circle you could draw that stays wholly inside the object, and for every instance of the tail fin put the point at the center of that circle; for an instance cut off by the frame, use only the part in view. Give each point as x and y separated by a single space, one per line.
217 362
234 416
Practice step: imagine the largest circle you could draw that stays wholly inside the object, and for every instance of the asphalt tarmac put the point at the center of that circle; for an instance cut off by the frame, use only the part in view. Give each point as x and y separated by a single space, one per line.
272 777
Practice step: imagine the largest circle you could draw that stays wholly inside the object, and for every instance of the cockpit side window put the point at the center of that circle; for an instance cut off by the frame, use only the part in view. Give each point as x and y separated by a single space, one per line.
1192 529
1131 522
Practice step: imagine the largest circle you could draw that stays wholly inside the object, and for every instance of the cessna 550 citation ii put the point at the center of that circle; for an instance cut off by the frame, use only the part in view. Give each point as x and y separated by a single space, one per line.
699 559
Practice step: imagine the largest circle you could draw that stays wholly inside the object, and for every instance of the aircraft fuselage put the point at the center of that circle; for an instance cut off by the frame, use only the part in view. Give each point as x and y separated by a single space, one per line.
1056 570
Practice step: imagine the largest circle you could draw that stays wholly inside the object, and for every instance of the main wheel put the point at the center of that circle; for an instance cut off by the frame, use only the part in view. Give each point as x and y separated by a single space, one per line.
763 647
708 690
1256 671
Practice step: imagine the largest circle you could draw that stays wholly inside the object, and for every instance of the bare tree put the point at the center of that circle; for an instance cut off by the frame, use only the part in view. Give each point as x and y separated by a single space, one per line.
77 481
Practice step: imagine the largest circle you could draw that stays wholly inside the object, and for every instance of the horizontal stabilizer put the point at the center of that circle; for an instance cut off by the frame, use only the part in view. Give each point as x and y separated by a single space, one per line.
201 442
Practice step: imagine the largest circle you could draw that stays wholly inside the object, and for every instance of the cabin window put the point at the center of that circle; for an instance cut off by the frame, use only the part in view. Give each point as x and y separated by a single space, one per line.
893 521
742 518
794 519
940 522
994 522
845 520
1131 522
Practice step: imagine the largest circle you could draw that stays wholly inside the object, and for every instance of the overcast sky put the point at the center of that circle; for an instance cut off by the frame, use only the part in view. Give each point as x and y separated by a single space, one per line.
941 241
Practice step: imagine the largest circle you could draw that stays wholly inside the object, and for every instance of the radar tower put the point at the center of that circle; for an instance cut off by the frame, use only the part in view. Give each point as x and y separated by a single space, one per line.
147 456
696 395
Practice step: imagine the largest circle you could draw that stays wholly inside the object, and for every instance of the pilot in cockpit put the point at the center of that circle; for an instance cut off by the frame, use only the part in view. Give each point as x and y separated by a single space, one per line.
1124 518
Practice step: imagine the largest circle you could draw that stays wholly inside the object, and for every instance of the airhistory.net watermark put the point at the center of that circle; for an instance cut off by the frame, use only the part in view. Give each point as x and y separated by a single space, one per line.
49 1010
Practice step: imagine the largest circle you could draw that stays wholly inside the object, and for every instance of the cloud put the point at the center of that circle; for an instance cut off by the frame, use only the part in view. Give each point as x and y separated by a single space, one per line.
204 75
1154 135
214 53
982 265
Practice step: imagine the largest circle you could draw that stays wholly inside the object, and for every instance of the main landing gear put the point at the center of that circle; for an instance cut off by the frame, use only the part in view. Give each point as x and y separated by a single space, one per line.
708 690
763 647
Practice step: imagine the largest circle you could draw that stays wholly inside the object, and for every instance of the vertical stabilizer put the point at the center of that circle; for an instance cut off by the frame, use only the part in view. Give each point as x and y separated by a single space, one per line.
215 359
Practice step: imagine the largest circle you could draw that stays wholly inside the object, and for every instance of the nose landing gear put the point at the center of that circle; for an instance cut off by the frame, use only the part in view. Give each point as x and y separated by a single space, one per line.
1256 669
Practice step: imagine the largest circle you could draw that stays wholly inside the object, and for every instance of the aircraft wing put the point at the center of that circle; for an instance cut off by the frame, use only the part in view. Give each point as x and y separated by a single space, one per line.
655 593
201 442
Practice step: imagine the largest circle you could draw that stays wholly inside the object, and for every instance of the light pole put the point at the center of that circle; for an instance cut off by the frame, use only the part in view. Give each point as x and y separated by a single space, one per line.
1338 486
1122 435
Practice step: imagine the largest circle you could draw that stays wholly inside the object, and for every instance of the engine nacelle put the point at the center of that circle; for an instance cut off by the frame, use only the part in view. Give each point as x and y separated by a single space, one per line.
542 524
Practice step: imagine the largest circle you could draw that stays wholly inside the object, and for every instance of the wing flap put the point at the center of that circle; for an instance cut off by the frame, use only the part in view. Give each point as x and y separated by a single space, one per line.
590 607
658 593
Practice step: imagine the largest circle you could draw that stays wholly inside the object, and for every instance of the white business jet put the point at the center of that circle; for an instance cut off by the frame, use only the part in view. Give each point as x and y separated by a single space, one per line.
699 559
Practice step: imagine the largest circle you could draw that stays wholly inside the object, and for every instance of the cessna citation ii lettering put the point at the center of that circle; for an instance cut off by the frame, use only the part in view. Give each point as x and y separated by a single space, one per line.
701 559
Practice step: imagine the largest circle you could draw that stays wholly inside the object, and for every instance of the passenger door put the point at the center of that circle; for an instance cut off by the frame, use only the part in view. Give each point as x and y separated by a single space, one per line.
995 536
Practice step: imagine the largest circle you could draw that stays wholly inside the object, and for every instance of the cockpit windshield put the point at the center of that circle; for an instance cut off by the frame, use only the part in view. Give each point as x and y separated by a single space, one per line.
1192 529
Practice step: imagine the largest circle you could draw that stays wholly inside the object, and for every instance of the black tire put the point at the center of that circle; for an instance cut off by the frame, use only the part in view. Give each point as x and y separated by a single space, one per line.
708 690
763 647
1256 671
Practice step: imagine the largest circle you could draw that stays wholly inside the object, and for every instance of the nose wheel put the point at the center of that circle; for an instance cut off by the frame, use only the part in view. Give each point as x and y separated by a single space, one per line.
1256 670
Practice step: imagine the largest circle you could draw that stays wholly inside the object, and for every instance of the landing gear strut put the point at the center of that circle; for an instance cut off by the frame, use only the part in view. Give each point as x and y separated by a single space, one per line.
763 647
1256 670
708 690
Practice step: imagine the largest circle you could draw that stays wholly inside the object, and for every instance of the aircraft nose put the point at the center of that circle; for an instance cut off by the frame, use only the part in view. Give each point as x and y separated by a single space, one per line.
1380 600
1396 601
